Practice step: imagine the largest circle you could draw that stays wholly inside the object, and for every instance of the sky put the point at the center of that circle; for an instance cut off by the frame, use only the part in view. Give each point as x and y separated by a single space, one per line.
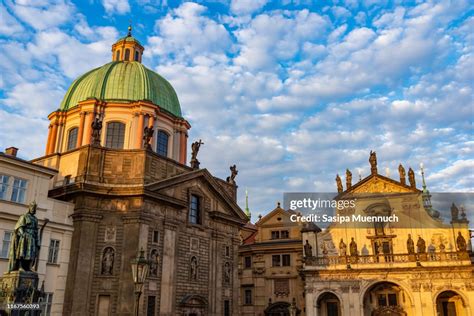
292 92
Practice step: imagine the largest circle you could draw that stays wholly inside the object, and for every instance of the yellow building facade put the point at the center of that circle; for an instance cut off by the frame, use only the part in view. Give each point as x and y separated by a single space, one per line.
270 259
419 265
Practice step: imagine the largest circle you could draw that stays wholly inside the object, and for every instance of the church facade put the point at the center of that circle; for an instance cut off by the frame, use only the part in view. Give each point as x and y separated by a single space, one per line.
420 265
119 143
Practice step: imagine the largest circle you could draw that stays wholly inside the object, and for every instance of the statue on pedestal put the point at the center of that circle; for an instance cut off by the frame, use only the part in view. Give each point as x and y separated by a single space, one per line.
342 248
96 130
421 245
353 247
195 149
348 179
401 171
339 184
308 250
461 242
25 244
411 178
373 162
147 136
233 174
410 245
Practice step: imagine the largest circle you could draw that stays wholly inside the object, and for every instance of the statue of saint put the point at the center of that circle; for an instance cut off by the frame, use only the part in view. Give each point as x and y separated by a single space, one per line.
461 242
421 245
339 184
401 171
96 129
308 250
411 177
233 174
108 261
454 212
193 270
373 162
195 149
342 248
353 247
25 244
348 179
154 262
147 135
410 245
227 273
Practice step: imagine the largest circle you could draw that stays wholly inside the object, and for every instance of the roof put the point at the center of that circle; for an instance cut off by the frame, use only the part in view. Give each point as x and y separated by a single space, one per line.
123 81
28 164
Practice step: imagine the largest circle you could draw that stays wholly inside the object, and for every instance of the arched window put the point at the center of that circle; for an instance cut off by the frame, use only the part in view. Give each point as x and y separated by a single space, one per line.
117 55
115 135
136 55
72 138
127 54
162 143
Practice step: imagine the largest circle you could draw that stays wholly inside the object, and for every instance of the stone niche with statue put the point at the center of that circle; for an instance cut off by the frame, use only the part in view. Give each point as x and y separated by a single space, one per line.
19 292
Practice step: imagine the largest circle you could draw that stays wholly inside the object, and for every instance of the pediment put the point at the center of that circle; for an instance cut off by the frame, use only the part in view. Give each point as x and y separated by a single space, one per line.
380 184
201 183
276 217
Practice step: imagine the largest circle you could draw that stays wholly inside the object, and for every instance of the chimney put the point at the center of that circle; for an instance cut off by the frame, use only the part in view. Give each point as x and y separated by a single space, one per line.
11 151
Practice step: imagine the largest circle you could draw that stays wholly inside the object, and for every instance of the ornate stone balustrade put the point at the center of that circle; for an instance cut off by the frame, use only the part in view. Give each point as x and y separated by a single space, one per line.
393 260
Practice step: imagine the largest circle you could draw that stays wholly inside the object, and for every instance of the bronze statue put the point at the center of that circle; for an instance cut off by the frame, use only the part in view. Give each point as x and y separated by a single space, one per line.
308 250
25 244
339 184
461 242
373 162
342 248
454 212
147 136
108 261
353 247
402 173
195 149
96 130
233 174
348 179
421 245
410 245
411 178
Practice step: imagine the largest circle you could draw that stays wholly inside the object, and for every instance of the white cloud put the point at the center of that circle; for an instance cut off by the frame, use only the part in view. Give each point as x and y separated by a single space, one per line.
8 24
116 6
246 6
43 14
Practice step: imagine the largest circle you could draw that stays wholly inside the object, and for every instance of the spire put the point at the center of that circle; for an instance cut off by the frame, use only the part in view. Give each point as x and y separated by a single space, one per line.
247 210
129 34
426 193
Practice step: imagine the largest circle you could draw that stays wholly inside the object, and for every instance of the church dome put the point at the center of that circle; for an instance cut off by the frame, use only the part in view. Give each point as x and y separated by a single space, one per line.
123 81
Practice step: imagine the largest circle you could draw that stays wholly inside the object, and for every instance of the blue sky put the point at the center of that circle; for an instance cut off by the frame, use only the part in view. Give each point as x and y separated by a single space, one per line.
293 92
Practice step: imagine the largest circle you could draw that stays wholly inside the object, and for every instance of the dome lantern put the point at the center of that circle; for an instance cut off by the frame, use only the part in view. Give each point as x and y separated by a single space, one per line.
127 48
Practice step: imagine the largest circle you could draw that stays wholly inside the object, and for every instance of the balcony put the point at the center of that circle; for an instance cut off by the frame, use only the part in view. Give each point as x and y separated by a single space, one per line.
434 259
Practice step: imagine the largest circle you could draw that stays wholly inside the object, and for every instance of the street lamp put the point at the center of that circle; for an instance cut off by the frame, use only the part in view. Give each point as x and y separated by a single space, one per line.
140 268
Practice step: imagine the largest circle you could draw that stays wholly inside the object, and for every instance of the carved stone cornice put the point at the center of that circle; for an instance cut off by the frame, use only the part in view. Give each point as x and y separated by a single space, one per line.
86 217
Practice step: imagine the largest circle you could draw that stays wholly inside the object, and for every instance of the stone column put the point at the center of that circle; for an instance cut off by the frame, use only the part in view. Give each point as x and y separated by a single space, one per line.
151 124
48 142
140 127
80 131
182 150
54 136
77 296
88 128
168 278
135 233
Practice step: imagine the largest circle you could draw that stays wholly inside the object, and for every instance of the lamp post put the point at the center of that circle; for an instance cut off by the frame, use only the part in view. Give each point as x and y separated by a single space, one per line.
140 268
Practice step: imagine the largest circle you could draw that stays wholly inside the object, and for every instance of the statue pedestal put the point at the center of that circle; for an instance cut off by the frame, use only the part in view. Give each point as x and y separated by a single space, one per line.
195 164
19 287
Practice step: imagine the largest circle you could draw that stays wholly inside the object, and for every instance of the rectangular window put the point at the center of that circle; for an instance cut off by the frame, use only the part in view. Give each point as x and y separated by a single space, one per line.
226 308
3 186
392 299
285 259
284 234
156 236
47 304
247 262
53 251
248 296
275 234
195 210
227 251
18 190
150 307
276 261
382 300
7 236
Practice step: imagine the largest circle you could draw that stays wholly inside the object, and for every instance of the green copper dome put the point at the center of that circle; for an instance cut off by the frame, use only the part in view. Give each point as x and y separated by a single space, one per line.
123 81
